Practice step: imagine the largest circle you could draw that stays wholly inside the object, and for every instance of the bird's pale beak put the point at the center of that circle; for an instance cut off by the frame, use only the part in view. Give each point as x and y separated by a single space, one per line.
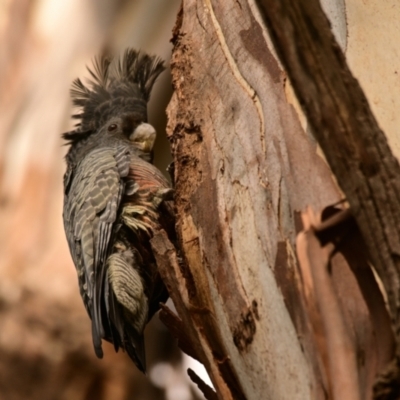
144 137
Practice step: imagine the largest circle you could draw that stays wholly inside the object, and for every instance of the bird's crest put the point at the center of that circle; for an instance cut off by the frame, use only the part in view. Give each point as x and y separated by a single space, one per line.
116 86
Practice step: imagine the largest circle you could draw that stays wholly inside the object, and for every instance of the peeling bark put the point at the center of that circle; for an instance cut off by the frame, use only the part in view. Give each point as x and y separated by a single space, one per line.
357 339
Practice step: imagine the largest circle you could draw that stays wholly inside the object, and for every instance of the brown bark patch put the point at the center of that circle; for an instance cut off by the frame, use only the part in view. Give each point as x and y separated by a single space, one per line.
244 332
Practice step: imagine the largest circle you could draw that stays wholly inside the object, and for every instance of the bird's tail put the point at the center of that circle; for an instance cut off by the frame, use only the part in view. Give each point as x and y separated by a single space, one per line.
134 346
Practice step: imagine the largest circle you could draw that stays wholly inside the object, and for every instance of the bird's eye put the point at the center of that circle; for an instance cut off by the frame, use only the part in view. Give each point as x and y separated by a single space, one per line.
112 127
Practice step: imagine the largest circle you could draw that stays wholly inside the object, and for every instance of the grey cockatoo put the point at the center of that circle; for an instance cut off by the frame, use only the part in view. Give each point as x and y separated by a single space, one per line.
114 198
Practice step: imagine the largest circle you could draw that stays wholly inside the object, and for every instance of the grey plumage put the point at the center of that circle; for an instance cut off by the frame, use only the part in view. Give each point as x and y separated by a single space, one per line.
114 199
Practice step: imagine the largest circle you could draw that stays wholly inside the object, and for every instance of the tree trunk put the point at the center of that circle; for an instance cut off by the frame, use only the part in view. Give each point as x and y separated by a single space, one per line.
244 170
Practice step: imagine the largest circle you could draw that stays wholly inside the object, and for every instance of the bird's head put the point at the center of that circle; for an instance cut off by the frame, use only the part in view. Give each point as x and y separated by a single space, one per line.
114 102
133 127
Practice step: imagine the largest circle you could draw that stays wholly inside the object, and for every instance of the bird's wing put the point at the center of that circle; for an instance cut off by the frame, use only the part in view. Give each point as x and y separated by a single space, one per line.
157 195
146 175
90 210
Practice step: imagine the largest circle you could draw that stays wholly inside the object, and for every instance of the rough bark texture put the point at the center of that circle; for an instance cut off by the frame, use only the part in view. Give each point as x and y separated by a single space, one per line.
244 169
354 145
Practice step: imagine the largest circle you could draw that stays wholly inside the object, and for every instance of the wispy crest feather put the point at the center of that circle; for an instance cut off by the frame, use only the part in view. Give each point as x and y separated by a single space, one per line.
139 68
81 94
113 86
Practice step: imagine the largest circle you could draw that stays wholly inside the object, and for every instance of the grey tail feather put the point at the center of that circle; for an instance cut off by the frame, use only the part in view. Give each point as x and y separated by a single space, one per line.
113 331
135 348
97 323
96 341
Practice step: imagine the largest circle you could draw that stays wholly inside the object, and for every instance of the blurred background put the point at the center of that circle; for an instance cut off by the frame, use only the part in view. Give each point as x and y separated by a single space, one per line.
45 340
